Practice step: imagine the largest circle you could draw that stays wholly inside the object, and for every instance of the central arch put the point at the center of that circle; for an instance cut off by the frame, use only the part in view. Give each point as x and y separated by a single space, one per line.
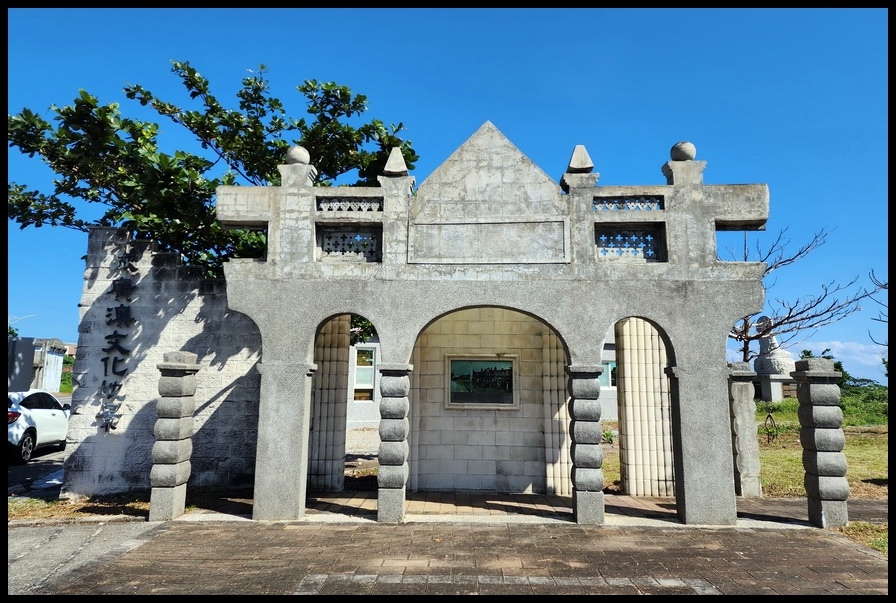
511 435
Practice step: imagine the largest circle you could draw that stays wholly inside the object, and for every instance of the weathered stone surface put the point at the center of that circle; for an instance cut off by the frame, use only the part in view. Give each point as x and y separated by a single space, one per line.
393 453
587 432
177 385
588 455
390 504
392 476
818 394
176 408
588 507
166 504
828 513
826 464
169 476
822 440
820 417
826 488
583 409
394 430
588 480
584 384
171 452
174 429
394 408
395 386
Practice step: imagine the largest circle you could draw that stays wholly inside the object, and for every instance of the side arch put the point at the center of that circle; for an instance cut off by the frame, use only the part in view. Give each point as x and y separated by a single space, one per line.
332 398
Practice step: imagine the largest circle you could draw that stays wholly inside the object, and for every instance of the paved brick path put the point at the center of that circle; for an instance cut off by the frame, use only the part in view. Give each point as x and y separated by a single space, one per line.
242 558
532 550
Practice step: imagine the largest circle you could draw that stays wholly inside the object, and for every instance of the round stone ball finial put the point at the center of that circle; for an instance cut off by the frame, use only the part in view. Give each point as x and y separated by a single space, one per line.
683 151
298 155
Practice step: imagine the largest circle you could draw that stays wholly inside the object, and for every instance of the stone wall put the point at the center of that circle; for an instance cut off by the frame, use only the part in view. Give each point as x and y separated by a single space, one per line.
136 306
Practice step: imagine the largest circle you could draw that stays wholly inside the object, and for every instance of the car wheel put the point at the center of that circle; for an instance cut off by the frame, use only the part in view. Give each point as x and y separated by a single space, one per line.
25 448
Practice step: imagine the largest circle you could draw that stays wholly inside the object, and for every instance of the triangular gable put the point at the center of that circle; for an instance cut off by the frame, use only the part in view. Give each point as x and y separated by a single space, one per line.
488 203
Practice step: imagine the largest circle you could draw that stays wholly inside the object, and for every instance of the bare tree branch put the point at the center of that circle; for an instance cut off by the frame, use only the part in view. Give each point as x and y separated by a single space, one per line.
783 319
882 316
774 257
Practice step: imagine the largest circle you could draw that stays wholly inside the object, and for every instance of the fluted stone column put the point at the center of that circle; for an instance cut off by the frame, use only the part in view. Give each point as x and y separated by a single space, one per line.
745 443
586 450
174 431
395 385
822 438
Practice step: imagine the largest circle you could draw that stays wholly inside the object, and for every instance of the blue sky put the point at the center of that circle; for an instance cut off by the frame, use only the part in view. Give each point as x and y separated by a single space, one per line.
793 98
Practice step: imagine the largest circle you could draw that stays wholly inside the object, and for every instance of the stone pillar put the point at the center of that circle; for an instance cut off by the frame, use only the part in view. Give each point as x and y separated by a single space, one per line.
587 453
822 439
744 438
284 420
395 385
173 430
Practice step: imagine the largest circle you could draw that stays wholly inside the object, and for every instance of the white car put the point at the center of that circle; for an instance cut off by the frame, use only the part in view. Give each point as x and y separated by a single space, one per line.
35 419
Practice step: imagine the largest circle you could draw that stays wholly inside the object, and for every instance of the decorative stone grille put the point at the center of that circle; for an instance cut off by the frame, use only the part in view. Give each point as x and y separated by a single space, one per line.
349 203
645 203
350 243
646 243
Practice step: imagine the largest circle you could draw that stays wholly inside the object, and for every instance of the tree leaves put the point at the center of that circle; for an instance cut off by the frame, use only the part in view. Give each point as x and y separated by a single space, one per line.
104 160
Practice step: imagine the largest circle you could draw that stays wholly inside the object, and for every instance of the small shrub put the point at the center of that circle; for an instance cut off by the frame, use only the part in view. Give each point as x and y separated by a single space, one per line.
868 405
65 384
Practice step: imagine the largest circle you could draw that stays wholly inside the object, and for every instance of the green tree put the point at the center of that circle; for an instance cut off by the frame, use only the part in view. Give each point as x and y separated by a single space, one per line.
104 159
362 330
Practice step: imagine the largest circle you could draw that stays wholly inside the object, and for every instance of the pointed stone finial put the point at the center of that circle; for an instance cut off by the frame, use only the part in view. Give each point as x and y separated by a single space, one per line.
298 154
683 151
580 162
395 166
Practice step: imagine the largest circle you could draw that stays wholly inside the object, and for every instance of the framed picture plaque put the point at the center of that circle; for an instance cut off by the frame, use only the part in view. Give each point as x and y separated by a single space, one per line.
482 382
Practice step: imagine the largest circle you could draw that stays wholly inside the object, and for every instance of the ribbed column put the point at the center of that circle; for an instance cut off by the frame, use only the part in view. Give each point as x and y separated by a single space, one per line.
326 463
645 425
822 438
745 443
395 385
587 454
174 431
556 416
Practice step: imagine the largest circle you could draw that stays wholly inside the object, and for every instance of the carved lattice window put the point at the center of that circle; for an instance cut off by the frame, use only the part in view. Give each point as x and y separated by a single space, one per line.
628 242
629 203
350 243
327 204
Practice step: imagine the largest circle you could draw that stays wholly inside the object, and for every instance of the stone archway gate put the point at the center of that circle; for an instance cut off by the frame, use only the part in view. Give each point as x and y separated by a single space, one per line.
489 228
